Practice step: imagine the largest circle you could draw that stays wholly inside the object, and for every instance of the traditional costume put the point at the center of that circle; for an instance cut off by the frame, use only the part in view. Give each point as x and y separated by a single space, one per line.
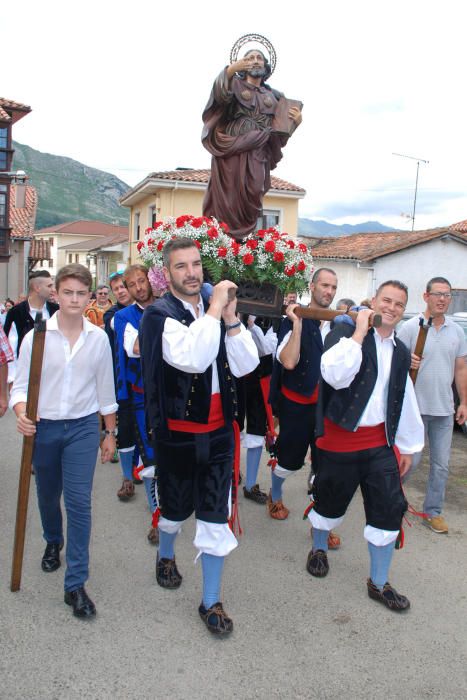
366 409
189 369
130 390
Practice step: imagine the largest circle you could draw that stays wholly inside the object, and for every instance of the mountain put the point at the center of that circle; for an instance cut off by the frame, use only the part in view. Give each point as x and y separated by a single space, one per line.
311 227
68 190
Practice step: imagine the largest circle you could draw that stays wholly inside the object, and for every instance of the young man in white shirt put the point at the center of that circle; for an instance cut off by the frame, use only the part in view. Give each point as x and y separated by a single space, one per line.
76 383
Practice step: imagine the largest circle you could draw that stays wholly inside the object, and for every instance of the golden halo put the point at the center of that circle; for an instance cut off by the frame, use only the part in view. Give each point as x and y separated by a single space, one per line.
260 39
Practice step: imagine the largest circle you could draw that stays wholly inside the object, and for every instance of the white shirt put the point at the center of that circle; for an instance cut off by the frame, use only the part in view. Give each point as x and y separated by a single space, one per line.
324 328
266 343
339 366
75 382
195 347
13 338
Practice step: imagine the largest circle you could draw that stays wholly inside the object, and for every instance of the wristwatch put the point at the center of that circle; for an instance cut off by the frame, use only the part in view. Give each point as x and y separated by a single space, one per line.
113 432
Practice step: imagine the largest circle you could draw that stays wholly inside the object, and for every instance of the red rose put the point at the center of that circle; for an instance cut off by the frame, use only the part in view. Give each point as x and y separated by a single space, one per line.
248 259
278 256
252 244
235 247
158 224
160 245
290 271
197 222
270 247
221 252
150 241
224 227
301 266
291 244
212 233
198 244
148 230
275 236
302 247
181 220
139 246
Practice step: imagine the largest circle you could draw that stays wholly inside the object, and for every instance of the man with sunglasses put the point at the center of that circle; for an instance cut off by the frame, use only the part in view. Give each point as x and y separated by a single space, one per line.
443 361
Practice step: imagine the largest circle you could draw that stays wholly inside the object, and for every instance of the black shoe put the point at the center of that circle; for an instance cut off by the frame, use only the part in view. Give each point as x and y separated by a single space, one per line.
51 559
167 574
254 494
216 619
317 563
388 596
81 602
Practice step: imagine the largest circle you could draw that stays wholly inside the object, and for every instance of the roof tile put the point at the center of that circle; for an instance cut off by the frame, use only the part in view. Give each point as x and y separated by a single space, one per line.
368 246
203 176
22 219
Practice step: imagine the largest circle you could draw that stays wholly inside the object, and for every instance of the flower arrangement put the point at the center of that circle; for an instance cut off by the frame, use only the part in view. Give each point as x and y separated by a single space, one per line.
264 256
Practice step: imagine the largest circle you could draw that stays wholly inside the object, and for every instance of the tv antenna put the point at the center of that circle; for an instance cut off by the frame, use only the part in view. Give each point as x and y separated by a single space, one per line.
419 160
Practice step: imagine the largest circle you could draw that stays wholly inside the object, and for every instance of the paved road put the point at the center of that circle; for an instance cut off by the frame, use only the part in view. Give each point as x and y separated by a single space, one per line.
294 637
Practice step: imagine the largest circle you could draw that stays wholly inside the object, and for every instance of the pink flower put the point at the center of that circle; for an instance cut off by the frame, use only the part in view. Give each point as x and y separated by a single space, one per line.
157 280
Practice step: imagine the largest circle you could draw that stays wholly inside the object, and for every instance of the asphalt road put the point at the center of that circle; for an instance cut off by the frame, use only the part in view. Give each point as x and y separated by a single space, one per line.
294 637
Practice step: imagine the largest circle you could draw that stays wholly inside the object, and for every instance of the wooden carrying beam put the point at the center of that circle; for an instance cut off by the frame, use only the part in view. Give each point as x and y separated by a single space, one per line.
28 448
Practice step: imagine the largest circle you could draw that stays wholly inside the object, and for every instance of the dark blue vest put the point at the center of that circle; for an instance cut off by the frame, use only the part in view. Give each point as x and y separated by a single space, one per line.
169 392
305 376
128 369
346 406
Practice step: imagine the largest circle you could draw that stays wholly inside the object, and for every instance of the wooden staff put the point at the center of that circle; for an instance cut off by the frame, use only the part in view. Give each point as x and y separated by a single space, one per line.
28 447
329 315
420 344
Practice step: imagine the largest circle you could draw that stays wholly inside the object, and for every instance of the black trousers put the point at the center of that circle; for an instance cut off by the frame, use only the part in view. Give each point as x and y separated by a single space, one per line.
296 434
376 471
195 475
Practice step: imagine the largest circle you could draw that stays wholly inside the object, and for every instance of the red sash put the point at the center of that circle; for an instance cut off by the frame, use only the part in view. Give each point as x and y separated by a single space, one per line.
336 439
215 420
299 398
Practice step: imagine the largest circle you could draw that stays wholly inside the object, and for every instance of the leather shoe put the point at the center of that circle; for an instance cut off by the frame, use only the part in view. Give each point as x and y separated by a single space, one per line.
51 558
81 603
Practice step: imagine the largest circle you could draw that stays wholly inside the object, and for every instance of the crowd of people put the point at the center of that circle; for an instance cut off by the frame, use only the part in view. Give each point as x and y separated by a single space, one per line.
170 385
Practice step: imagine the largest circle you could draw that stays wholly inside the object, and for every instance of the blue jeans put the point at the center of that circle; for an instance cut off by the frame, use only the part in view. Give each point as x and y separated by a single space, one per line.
65 453
438 434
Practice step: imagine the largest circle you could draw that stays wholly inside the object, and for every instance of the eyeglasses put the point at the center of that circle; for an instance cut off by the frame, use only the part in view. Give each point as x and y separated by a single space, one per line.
440 295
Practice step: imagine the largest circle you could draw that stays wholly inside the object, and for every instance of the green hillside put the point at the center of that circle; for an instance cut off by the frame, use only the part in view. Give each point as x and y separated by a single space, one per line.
68 190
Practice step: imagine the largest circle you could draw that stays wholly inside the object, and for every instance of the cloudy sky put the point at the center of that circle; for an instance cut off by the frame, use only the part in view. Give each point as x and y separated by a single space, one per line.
121 86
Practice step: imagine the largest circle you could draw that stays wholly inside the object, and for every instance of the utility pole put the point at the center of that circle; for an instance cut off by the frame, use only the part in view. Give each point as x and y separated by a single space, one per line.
419 160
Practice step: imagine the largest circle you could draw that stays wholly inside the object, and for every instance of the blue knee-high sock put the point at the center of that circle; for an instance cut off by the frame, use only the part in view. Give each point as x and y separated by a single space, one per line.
380 561
167 544
276 486
253 458
212 577
148 487
320 539
126 460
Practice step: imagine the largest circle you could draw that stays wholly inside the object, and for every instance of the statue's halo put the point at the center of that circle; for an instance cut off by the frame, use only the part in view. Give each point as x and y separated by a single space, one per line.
254 40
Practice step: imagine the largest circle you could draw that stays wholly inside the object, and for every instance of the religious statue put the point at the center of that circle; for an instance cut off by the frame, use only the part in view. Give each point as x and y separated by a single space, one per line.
246 124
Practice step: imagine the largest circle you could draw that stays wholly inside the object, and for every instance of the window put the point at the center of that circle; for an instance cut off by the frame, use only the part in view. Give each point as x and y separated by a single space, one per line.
70 258
77 258
4 239
4 148
136 226
270 217
152 216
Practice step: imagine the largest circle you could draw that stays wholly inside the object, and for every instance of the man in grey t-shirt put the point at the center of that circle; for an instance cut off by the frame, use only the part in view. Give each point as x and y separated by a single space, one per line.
444 361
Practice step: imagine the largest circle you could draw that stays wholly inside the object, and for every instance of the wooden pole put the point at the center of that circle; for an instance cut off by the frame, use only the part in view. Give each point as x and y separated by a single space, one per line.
28 448
420 344
329 315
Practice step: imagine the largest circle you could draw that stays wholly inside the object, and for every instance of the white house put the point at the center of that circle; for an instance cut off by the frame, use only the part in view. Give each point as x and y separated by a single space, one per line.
363 261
